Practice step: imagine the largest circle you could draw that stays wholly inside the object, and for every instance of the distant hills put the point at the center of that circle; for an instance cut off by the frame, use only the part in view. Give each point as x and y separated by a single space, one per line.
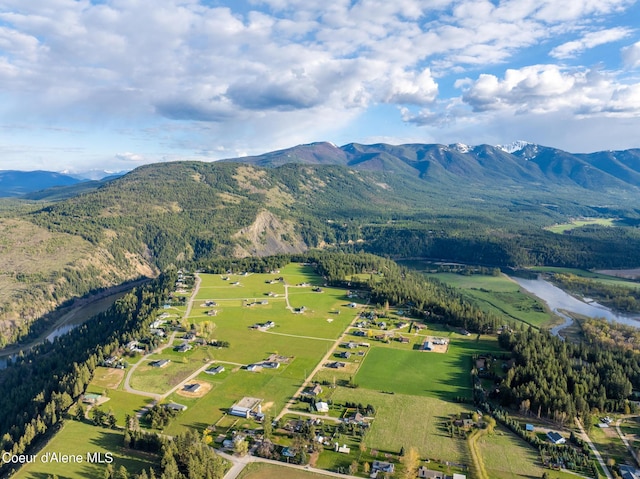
14 183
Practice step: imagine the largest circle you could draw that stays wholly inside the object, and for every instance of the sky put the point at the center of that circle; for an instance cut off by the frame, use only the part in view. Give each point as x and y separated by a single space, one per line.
114 84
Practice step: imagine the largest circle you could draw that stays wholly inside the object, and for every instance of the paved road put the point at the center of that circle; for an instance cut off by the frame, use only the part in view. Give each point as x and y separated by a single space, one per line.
594 449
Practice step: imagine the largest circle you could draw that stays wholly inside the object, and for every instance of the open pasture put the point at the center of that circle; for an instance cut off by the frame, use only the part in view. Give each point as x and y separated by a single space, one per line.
444 376
121 403
409 421
579 223
107 378
80 438
160 380
499 295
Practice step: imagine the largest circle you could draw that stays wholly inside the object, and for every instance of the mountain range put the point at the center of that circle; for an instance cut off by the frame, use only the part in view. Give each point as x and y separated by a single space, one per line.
522 162
518 163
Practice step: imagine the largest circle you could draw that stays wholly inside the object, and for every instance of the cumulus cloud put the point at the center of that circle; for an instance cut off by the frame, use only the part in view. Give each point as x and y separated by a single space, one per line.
589 40
548 88
270 72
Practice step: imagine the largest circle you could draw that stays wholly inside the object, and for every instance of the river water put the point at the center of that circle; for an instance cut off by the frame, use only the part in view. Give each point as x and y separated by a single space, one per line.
558 300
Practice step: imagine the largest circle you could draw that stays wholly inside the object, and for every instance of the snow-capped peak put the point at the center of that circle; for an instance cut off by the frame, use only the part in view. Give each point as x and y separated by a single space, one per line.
514 146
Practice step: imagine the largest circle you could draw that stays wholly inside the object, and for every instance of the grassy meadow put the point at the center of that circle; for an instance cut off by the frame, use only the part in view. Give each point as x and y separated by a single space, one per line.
499 295
80 438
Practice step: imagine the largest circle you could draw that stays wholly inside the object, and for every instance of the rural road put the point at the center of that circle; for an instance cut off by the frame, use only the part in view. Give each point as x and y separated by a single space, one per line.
239 463
324 359
593 448
158 397
626 442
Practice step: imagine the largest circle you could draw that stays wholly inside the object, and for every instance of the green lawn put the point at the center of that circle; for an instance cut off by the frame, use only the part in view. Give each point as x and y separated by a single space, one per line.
160 380
81 438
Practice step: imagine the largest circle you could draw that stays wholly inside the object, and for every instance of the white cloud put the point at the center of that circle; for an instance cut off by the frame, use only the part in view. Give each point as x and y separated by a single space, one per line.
131 157
631 55
183 74
542 89
589 40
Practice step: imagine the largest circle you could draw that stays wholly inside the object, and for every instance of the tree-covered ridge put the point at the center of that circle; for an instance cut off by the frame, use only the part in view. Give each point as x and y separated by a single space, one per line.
39 388
185 213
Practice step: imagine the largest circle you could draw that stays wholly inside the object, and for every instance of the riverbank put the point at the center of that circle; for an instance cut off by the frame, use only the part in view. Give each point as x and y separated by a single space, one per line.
68 317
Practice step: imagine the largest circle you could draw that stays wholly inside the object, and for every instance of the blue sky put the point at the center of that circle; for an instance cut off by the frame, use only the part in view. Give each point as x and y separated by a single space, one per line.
113 84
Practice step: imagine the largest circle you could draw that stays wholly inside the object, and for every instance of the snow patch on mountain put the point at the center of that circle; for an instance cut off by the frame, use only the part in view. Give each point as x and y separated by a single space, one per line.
514 146
461 147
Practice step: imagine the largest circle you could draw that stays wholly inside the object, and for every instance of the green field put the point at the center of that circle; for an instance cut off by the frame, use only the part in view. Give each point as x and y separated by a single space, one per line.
121 403
439 375
80 438
499 295
564 227
412 391
506 456
409 421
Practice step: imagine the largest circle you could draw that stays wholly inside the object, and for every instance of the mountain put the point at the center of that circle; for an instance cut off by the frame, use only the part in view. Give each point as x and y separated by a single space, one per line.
16 183
521 163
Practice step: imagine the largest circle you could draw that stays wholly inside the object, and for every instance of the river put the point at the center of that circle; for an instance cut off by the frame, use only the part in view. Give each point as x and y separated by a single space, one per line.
558 300
71 317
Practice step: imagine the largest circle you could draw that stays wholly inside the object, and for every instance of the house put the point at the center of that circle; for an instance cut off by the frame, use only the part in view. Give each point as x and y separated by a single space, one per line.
382 466
246 407
336 365
555 438
322 407
365 345
269 324
254 367
216 370
425 473
343 449
314 390
344 354
91 398
427 346
157 332
353 305
459 476
175 406
529 427
160 363
356 418
351 345
628 472
183 348
271 364
191 388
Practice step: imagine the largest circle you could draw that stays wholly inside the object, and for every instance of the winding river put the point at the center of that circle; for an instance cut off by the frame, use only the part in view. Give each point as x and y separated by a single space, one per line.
558 300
